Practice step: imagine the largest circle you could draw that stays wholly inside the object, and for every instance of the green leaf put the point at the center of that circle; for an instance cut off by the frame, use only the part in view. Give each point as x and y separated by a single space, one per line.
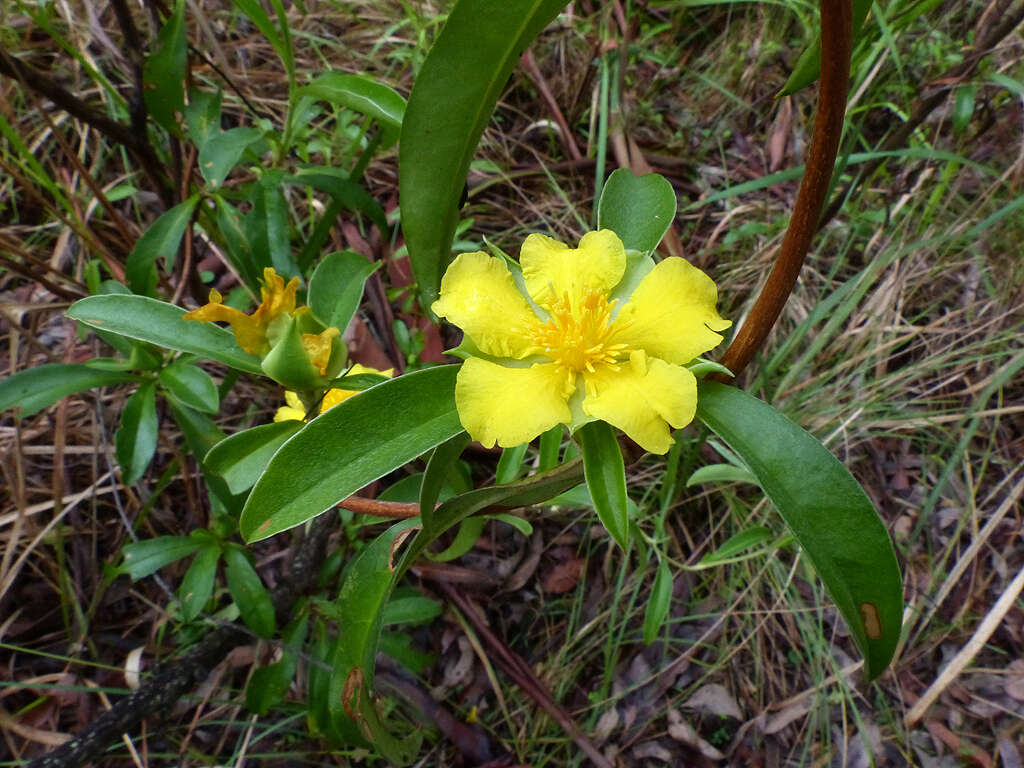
606 478
721 473
364 592
439 468
639 209
202 116
163 72
350 194
266 225
197 586
221 153
364 95
37 388
451 102
963 107
236 243
468 535
659 604
827 511
160 323
135 439
161 240
336 288
510 465
241 458
412 609
808 66
737 543
142 558
350 446
248 592
269 685
191 385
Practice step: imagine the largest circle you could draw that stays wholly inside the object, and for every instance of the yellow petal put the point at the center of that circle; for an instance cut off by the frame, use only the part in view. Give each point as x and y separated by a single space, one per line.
318 347
249 334
552 269
671 314
335 396
277 298
509 406
479 295
642 399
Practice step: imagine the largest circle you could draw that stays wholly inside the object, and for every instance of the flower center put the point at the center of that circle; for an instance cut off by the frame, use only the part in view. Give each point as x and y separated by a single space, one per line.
576 337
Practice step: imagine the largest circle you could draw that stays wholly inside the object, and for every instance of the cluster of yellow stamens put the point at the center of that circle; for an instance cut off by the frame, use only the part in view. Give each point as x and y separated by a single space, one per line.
577 335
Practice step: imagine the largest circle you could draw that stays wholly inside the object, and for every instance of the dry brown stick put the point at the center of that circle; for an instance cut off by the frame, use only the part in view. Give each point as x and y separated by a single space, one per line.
534 73
520 672
1009 21
397 510
836 41
172 679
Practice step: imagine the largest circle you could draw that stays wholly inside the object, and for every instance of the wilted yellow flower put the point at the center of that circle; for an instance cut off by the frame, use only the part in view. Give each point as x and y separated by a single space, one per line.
295 410
571 353
251 330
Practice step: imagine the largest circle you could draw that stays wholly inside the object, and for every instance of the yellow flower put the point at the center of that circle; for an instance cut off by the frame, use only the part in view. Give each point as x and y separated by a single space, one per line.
571 353
295 410
251 330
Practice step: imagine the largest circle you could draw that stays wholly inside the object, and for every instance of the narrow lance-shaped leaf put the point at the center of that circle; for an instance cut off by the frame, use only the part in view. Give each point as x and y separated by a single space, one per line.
160 323
350 446
606 478
160 241
248 592
40 387
828 512
450 104
163 73
241 458
135 440
364 95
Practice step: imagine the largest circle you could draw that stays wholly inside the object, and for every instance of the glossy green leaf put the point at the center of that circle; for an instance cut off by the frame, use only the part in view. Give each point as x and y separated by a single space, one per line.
241 458
163 72
160 323
357 382
639 209
142 558
248 592
191 385
606 478
659 603
350 446
410 609
202 116
197 585
222 152
37 388
362 94
451 102
336 288
808 66
439 467
135 439
721 473
828 512
160 241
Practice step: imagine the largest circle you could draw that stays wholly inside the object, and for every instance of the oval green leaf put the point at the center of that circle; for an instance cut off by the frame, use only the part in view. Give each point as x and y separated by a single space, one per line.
248 592
191 385
197 585
350 446
450 104
160 323
639 209
241 458
163 72
142 558
826 509
135 439
40 387
336 287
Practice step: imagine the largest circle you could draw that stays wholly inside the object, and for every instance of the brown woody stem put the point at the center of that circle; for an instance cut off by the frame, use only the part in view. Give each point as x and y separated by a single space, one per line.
836 42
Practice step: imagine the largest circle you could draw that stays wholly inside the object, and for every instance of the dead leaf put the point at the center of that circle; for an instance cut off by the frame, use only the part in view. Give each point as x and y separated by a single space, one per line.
780 134
716 699
684 733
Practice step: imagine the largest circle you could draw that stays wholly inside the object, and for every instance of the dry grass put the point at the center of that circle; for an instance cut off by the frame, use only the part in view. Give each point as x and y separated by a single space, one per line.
900 349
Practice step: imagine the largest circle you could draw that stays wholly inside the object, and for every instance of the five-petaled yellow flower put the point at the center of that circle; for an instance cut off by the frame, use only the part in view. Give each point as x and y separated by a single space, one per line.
571 352
251 331
294 410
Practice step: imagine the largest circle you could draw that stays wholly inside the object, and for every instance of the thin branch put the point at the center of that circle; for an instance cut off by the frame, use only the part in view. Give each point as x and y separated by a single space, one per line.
836 42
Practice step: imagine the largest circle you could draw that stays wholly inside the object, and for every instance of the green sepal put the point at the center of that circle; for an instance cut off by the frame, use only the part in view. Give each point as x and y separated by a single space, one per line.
287 362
